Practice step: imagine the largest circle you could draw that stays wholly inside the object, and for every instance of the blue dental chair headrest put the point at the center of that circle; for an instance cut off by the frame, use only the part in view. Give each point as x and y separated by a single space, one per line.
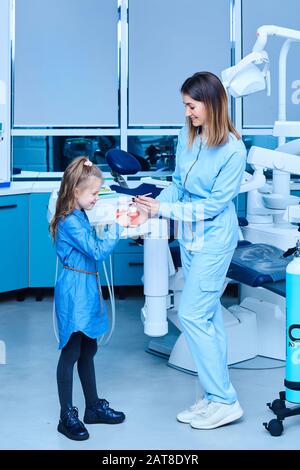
122 162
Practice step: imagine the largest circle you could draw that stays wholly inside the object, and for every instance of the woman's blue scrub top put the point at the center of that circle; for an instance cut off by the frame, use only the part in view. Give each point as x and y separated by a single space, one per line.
78 304
204 183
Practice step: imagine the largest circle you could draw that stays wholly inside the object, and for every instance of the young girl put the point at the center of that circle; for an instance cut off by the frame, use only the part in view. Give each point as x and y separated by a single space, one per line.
80 310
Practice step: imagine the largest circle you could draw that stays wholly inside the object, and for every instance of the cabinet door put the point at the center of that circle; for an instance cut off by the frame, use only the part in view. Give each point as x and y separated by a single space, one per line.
13 242
128 269
240 203
295 192
41 247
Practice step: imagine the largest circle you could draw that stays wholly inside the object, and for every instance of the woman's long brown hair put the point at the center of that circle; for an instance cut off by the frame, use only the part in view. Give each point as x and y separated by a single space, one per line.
207 88
74 176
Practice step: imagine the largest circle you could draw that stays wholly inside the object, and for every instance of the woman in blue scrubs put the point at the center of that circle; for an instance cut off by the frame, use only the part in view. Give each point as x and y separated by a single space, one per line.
210 161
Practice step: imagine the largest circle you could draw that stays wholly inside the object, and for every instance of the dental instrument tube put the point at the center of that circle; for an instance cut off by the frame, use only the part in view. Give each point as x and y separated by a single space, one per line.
156 282
292 381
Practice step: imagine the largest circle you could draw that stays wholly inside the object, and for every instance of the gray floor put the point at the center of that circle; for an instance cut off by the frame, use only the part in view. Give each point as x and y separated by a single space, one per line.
140 384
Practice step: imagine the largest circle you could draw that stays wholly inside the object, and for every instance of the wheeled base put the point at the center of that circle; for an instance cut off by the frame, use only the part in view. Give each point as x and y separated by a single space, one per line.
279 408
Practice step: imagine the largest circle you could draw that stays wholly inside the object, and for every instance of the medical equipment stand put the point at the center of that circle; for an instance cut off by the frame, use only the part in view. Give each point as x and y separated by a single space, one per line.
279 408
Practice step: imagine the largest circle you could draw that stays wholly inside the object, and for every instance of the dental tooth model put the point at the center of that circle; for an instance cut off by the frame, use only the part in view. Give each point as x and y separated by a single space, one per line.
133 213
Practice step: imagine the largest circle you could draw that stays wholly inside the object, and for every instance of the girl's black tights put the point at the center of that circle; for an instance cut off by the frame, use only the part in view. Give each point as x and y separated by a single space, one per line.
81 349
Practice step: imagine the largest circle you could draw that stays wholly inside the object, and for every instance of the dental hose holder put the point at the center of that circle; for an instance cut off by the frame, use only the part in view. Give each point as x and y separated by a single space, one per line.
292 369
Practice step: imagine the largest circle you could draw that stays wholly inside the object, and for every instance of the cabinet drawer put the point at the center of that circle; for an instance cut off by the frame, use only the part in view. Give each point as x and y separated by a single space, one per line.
128 245
128 269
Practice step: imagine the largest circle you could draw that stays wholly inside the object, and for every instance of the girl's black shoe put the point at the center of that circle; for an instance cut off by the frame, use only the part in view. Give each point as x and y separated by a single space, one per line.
71 426
100 412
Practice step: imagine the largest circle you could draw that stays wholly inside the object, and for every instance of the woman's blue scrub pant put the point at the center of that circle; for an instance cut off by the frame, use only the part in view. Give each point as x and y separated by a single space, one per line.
201 318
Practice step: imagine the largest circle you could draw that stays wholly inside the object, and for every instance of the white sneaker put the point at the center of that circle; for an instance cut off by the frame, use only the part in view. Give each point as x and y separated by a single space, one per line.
217 414
188 415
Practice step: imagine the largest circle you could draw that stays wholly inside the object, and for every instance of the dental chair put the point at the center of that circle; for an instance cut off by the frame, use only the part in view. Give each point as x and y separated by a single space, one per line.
122 164
253 264
249 335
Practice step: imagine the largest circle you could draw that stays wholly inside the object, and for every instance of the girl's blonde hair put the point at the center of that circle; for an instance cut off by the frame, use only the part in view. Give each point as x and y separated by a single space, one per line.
75 175
208 88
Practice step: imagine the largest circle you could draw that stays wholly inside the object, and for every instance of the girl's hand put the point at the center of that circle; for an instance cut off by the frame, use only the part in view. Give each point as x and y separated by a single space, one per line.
147 204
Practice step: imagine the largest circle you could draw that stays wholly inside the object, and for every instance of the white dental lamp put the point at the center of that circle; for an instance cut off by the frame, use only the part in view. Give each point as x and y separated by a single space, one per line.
246 77
251 75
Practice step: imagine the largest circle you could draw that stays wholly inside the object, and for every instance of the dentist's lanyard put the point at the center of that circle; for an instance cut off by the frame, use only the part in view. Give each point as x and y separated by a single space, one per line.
193 164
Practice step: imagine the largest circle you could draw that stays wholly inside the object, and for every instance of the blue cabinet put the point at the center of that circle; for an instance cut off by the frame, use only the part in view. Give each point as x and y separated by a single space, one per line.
14 211
295 192
128 245
240 203
128 263
41 248
128 269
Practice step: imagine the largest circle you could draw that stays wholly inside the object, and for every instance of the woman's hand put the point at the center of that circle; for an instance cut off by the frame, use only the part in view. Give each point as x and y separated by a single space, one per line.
147 204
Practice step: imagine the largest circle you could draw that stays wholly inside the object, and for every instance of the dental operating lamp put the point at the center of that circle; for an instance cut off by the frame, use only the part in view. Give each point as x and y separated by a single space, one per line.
251 75
246 77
